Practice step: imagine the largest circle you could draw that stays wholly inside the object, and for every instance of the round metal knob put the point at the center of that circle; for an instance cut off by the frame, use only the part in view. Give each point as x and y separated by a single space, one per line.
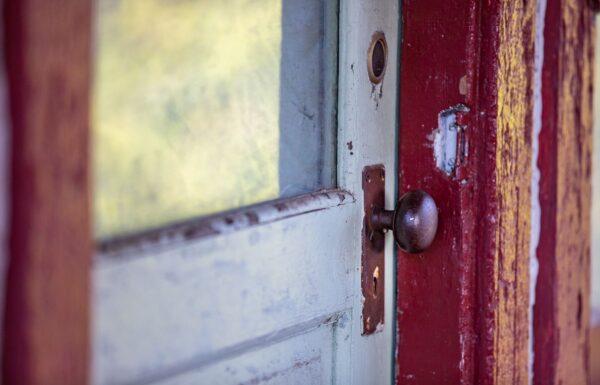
414 221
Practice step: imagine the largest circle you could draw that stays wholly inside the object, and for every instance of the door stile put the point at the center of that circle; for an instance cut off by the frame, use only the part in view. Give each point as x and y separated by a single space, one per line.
435 289
466 76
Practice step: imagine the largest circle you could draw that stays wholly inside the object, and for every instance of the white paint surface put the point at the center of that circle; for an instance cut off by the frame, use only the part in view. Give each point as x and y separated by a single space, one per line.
535 171
445 139
276 303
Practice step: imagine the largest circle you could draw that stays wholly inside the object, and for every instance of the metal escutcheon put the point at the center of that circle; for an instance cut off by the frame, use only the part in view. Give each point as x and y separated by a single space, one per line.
414 221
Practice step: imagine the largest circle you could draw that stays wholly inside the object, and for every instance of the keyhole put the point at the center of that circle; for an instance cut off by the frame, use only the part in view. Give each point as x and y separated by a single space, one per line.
377 57
375 279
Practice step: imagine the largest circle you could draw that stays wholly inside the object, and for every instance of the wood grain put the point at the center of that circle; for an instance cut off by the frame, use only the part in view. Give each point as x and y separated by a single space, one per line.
48 63
513 179
505 177
561 313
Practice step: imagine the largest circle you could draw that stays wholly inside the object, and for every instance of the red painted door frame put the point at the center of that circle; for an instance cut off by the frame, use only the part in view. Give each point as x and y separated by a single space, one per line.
463 312
437 72
46 317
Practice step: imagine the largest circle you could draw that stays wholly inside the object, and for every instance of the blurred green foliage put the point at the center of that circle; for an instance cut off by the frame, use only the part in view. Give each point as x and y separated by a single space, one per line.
185 109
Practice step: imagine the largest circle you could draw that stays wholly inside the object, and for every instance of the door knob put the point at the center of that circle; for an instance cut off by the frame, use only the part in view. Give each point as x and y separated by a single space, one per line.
414 221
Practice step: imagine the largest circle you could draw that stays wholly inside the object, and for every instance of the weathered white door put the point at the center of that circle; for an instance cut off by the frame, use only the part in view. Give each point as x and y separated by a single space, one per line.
266 291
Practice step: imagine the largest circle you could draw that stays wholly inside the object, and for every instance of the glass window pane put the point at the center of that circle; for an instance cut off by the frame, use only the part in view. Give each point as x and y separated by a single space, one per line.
202 106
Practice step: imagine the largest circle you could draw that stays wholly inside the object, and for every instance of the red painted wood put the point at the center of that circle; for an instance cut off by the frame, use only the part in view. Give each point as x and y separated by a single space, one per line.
48 62
544 316
463 304
436 331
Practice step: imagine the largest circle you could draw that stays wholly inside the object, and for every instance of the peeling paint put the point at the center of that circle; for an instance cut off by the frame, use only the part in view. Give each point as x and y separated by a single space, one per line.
463 86
219 224
446 139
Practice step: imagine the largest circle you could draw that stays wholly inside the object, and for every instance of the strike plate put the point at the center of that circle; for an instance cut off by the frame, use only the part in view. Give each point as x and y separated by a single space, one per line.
373 261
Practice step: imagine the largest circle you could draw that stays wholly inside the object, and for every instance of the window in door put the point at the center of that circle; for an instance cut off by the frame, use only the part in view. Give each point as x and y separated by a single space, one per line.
204 106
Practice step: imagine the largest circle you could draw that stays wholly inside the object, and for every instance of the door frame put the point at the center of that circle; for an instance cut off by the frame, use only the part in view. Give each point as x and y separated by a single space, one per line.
47 311
465 310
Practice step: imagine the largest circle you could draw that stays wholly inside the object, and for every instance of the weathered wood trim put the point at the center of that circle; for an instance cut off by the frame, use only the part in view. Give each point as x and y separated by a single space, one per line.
561 312
463 305
46 328
506 258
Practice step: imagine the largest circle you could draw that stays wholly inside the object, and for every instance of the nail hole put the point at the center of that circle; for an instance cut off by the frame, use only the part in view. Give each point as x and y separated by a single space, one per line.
377 57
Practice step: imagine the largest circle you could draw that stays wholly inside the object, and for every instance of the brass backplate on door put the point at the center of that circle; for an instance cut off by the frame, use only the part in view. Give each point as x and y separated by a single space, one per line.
373 261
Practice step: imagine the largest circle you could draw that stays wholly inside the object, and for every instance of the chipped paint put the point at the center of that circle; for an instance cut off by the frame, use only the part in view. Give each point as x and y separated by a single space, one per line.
446 139
463 85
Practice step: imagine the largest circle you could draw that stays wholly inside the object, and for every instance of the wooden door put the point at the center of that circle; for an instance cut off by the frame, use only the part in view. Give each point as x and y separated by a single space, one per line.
269 293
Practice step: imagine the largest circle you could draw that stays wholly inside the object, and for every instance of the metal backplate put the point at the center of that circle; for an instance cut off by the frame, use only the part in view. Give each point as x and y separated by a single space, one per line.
373 262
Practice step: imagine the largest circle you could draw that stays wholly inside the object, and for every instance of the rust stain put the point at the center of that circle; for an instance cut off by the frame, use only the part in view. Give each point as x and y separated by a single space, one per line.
372 257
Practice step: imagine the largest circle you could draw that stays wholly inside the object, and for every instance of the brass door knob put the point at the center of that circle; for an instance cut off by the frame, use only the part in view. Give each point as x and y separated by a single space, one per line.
414 221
